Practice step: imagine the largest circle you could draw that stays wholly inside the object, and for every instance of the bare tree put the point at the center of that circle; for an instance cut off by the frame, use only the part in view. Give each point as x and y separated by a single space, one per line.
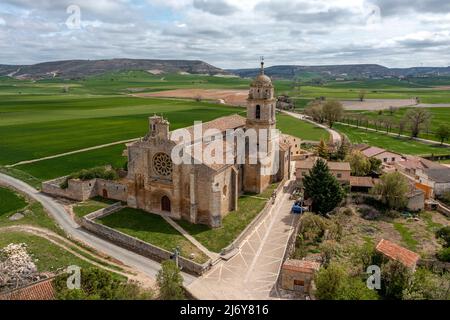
314 109
362 95
402 125
418 118
392 110
333 111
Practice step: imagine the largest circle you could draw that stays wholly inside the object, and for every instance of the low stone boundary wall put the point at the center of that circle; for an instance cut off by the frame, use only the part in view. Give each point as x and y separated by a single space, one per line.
136 245
246 232
442 208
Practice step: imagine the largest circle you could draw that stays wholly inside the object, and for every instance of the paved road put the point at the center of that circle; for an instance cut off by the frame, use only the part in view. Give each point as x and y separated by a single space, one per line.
253 272
334 134
145 265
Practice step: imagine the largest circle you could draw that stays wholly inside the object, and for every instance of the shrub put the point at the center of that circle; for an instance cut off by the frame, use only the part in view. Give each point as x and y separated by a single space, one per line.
89 174
97 284
444 234
444 255
333 283
170 281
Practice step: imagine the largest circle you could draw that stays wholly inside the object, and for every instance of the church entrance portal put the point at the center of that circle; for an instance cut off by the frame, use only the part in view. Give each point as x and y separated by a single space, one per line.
165 204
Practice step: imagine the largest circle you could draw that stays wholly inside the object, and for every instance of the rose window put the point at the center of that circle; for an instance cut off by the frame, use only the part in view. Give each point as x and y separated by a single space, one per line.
162 164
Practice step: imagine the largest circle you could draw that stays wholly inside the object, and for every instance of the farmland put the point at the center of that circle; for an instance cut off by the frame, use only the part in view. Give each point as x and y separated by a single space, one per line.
392 143
50 117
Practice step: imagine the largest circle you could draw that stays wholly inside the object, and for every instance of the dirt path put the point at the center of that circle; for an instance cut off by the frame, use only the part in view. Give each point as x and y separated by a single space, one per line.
68 246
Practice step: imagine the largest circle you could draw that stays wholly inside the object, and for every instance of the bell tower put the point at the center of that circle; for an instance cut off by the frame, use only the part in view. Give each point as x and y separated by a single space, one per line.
261 103
261 117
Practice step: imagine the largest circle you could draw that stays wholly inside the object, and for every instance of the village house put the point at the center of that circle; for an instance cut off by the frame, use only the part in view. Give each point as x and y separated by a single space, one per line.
298 275
295 143
381 154
431 177
341 170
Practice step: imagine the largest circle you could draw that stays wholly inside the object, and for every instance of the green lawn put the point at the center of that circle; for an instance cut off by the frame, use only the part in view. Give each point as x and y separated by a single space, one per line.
232 225
47 256
10 201
395 144
84 208
407 236
153 229
300 129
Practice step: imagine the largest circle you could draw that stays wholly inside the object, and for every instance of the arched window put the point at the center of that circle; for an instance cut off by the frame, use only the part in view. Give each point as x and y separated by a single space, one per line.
258 112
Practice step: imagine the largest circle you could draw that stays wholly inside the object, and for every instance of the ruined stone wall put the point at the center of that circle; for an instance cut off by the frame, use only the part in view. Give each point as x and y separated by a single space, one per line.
76 190
112 190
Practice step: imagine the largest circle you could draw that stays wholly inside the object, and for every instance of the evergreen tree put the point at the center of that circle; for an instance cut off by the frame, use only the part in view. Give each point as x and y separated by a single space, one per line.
322 150
323 188
170 281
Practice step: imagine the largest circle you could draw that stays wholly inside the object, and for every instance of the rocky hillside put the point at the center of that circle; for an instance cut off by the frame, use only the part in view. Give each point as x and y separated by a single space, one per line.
72 69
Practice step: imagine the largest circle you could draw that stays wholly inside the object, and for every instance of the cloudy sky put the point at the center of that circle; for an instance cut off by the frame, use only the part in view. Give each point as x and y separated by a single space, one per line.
228 33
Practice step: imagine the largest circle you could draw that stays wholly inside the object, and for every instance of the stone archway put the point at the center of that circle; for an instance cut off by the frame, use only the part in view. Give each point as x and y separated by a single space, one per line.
165 204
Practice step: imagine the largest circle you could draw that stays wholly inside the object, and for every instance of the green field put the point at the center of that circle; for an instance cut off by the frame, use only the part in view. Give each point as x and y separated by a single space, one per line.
392 143
153 229
10 201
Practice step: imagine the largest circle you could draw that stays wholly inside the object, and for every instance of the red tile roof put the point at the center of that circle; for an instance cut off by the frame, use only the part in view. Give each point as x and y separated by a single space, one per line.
301 266
42 290
398 253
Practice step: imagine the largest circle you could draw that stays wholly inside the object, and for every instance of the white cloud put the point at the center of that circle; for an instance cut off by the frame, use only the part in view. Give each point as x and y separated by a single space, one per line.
228 33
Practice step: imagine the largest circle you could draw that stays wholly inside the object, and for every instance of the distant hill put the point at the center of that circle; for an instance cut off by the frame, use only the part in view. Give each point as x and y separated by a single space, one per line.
72 69
354 71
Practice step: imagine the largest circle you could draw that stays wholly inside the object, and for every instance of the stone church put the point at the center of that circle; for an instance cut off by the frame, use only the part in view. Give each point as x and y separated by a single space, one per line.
198 192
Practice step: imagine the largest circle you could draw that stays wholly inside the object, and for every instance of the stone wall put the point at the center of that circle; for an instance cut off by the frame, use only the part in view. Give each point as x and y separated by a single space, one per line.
84 190
76 190
138 246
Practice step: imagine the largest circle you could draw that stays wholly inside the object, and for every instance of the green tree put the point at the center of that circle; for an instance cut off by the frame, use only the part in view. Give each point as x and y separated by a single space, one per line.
392 190
426 285
343 150
322 150
443 133
97 284
333 283
333 111
359 164
375 165
323 188
395 278
170 281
